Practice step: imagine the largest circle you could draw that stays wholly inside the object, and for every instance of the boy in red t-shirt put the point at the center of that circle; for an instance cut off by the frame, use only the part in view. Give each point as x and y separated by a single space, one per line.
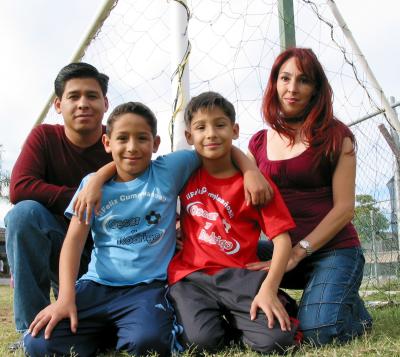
215 296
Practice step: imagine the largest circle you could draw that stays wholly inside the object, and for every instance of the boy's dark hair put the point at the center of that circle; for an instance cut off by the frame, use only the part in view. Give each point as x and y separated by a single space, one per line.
79 70
133 108
208 101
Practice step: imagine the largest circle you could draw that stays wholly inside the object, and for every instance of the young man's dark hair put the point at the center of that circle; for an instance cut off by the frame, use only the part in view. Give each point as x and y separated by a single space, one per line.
79 70
208 101
133 108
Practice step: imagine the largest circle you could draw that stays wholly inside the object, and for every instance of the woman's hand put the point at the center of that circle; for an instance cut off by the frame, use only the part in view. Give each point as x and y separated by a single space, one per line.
51 315
269 302
296 256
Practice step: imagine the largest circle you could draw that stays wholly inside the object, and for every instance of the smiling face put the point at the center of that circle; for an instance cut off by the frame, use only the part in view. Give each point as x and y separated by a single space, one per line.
82 106
211 132
294 88
131 144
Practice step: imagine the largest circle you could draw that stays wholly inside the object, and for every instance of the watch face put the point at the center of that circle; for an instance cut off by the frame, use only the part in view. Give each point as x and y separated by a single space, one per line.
304 244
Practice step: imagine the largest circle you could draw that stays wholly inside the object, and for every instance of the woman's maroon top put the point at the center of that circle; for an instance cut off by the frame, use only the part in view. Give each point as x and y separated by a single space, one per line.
306 190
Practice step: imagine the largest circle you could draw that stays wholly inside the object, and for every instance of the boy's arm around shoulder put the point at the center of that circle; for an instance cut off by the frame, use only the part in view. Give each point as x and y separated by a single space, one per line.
180 165
28 178
65 306
257 189
88 200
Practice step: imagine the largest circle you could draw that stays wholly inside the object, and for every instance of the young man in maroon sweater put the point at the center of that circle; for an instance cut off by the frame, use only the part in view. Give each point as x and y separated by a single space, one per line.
53 161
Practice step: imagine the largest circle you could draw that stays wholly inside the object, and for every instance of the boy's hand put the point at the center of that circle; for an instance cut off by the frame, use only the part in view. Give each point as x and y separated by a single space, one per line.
88 200
257 190
269 302
51 315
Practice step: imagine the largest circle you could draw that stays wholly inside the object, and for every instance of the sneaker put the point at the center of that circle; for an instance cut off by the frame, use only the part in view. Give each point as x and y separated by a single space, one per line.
15 346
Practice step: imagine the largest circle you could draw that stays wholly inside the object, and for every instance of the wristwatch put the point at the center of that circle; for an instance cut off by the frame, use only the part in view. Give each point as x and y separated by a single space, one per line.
305 244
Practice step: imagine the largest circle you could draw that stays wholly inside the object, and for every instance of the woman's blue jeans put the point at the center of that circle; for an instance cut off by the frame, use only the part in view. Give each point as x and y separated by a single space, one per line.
330 307
34 237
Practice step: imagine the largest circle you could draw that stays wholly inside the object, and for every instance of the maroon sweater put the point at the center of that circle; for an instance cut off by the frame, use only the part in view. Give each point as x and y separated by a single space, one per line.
307 191
50 168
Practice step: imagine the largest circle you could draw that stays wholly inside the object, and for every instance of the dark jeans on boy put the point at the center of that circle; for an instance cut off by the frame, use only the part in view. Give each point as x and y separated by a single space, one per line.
136 319
213 308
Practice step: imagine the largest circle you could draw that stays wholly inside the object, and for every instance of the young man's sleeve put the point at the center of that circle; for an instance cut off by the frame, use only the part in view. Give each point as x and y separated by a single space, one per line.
181 165
28 176
276 218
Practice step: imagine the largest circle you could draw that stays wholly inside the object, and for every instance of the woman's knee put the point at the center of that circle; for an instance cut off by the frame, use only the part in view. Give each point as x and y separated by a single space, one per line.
320 336
340 326
320 323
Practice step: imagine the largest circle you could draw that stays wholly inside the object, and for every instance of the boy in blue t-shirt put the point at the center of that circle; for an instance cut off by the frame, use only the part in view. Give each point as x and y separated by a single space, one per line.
121 300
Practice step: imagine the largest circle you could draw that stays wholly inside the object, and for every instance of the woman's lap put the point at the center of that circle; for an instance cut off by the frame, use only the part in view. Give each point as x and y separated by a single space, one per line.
330 307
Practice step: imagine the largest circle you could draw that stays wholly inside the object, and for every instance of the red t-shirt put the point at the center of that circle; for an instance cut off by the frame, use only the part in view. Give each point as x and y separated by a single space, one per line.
306 190
219 229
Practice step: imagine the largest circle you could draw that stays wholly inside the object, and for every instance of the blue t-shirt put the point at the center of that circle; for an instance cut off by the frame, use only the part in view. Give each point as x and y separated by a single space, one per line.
134 232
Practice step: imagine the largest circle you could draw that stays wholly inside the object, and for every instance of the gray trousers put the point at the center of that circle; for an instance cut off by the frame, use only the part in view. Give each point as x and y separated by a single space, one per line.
215 309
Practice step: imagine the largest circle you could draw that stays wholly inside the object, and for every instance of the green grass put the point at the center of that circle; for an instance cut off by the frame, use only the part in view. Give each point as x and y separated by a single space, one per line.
384 340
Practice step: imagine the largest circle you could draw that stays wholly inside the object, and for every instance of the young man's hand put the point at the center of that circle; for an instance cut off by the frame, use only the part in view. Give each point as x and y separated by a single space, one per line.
269 302
51 315
88 200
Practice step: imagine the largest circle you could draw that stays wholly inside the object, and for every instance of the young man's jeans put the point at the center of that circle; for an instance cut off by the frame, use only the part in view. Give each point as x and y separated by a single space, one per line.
34 237
330 307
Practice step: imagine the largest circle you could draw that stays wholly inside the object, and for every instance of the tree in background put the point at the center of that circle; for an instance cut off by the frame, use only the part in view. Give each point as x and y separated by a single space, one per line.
368 219
4 178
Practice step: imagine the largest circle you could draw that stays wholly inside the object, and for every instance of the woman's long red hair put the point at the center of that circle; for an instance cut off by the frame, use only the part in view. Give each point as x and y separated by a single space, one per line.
320 128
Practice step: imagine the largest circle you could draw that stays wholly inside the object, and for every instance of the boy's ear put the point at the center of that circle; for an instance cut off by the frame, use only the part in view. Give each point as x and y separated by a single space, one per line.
156 144
188 136
57 105
235 131
106 142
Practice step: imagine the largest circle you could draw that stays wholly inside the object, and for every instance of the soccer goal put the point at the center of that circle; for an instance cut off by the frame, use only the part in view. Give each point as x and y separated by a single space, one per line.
162 52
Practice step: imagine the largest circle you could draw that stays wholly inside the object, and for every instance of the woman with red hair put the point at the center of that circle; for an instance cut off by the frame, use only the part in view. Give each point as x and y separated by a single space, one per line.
310 155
